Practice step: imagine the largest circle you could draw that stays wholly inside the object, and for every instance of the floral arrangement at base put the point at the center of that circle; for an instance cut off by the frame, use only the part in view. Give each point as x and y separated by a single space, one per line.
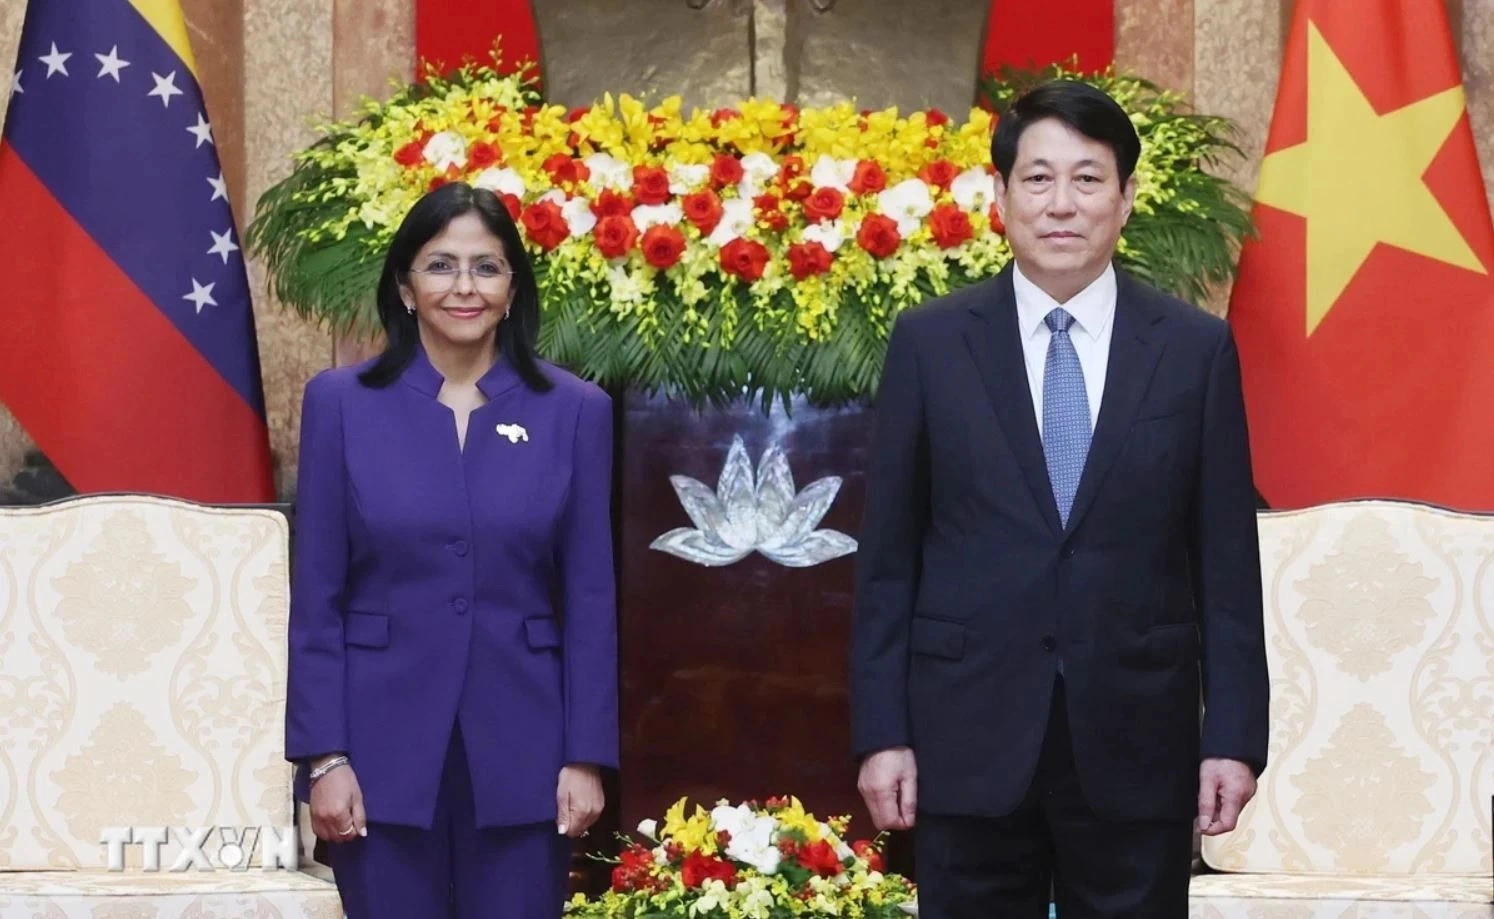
761 249
749 861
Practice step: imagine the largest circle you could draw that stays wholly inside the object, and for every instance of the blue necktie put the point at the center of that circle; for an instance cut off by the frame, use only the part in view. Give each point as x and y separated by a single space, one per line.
1066 429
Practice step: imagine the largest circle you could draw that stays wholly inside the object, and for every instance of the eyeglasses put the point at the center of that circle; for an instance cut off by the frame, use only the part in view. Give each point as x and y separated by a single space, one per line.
484 277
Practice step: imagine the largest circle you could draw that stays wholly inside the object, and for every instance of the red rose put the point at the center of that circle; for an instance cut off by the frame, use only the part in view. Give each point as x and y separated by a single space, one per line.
867 851
576 114
799 190
612 204
808 259
410 154
769 213
703 209
722 115
870 178
701 868
793 167
950 226
941 173
996 224
824 204
820 858
744 258
879 236
650 184
935 118
726 170
615 236
512 202
482 155
566 171
663 246
545 224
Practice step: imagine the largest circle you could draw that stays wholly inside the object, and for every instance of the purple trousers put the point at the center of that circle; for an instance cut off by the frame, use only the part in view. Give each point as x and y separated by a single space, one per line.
454 870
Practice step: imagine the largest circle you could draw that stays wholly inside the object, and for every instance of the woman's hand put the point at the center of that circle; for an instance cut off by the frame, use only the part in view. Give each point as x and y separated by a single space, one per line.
578 799
337 806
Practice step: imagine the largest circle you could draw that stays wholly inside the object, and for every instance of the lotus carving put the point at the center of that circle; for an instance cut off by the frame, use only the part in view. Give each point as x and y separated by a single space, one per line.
755 512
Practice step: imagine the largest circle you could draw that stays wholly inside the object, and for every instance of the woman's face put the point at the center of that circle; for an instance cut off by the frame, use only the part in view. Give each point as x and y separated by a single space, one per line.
460 284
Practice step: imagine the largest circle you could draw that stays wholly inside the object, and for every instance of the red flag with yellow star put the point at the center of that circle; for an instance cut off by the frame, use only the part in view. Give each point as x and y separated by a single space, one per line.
1364 312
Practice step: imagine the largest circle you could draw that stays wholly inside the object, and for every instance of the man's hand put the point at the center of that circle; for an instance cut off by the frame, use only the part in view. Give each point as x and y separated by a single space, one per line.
889 786
578 799
1225 786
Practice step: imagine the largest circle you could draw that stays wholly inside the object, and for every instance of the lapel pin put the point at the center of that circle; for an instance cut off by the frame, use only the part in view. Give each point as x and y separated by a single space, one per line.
514 432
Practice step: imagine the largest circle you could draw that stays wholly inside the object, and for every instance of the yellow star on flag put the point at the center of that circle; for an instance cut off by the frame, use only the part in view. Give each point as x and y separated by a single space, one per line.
1358 179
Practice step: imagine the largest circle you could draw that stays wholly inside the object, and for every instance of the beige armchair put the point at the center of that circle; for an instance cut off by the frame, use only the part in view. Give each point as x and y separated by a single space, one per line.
1376 802
142 684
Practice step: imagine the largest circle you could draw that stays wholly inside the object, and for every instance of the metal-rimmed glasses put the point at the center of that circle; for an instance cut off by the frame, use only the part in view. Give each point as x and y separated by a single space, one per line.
486 276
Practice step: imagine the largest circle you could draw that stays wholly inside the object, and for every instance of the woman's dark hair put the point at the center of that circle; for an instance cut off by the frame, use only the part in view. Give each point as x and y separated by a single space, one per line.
1086 109
431 214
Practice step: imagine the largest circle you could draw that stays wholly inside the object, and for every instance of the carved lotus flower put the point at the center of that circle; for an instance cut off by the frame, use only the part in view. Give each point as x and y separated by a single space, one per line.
755 513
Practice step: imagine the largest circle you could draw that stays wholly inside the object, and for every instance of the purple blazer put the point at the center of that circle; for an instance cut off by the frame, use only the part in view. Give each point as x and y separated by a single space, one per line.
435 585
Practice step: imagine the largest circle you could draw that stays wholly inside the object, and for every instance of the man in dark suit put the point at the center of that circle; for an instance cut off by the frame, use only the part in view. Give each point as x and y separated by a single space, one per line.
1058 555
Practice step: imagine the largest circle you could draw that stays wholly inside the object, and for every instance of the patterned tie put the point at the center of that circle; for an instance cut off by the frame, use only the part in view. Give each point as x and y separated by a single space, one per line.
1066 428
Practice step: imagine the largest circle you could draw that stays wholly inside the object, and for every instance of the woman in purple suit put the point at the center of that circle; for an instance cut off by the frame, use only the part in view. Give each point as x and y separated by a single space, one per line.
453 648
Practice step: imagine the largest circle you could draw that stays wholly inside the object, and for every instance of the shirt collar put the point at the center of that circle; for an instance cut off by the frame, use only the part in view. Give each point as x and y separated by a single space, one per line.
424 376
1092 308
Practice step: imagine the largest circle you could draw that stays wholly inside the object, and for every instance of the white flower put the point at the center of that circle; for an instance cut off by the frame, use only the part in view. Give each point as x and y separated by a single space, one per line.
501 182
661 855
609 172
648 215
751 836
748 514
907 202
736 220
974 189
445 149
625 287
649 828
578 216
829 172
757 170
686 177
842 851
713 896
831 235
555 195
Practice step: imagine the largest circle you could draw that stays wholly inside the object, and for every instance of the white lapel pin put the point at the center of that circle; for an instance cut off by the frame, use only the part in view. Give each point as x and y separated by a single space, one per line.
514 432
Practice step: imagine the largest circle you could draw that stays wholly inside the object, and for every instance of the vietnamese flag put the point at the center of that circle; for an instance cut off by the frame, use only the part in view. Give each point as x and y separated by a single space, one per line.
1364 313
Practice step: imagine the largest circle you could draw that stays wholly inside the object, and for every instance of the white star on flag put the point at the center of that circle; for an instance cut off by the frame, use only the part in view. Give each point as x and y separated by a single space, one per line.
110 64
15 85
220 188
56 61
203 131
201 295
165 88
223 245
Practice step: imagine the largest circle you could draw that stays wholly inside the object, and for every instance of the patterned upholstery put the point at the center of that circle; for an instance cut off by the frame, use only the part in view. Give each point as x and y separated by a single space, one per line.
142 683
1380 632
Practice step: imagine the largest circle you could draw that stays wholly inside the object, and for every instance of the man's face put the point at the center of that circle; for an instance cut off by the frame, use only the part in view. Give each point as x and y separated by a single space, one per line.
1063 206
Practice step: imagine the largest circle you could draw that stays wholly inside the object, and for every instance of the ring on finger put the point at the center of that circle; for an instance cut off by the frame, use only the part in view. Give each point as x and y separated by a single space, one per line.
346 831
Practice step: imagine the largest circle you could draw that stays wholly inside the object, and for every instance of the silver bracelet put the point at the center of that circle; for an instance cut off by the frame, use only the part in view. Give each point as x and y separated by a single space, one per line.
326 767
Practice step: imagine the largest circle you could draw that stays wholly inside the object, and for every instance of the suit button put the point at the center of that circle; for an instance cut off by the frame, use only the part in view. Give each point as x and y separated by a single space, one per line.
459 604
1049 643
459 548
1068 551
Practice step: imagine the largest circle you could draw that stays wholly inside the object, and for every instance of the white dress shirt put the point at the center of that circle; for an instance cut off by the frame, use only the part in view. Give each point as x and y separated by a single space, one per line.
1093 309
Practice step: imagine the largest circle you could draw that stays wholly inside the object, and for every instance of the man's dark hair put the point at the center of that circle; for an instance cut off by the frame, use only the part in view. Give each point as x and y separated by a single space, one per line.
1084 108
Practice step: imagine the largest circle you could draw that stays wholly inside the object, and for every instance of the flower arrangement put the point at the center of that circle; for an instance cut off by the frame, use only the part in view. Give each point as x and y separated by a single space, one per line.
762 248
747 861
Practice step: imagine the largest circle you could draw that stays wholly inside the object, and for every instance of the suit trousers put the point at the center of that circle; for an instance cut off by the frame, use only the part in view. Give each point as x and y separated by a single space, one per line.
455 869
988 867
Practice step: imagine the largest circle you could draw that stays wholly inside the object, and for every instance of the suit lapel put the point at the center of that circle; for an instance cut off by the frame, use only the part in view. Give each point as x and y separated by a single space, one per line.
995 343
1135 346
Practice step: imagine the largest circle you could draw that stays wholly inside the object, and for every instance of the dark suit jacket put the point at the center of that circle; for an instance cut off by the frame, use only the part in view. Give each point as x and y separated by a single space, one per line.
969 591
436 584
